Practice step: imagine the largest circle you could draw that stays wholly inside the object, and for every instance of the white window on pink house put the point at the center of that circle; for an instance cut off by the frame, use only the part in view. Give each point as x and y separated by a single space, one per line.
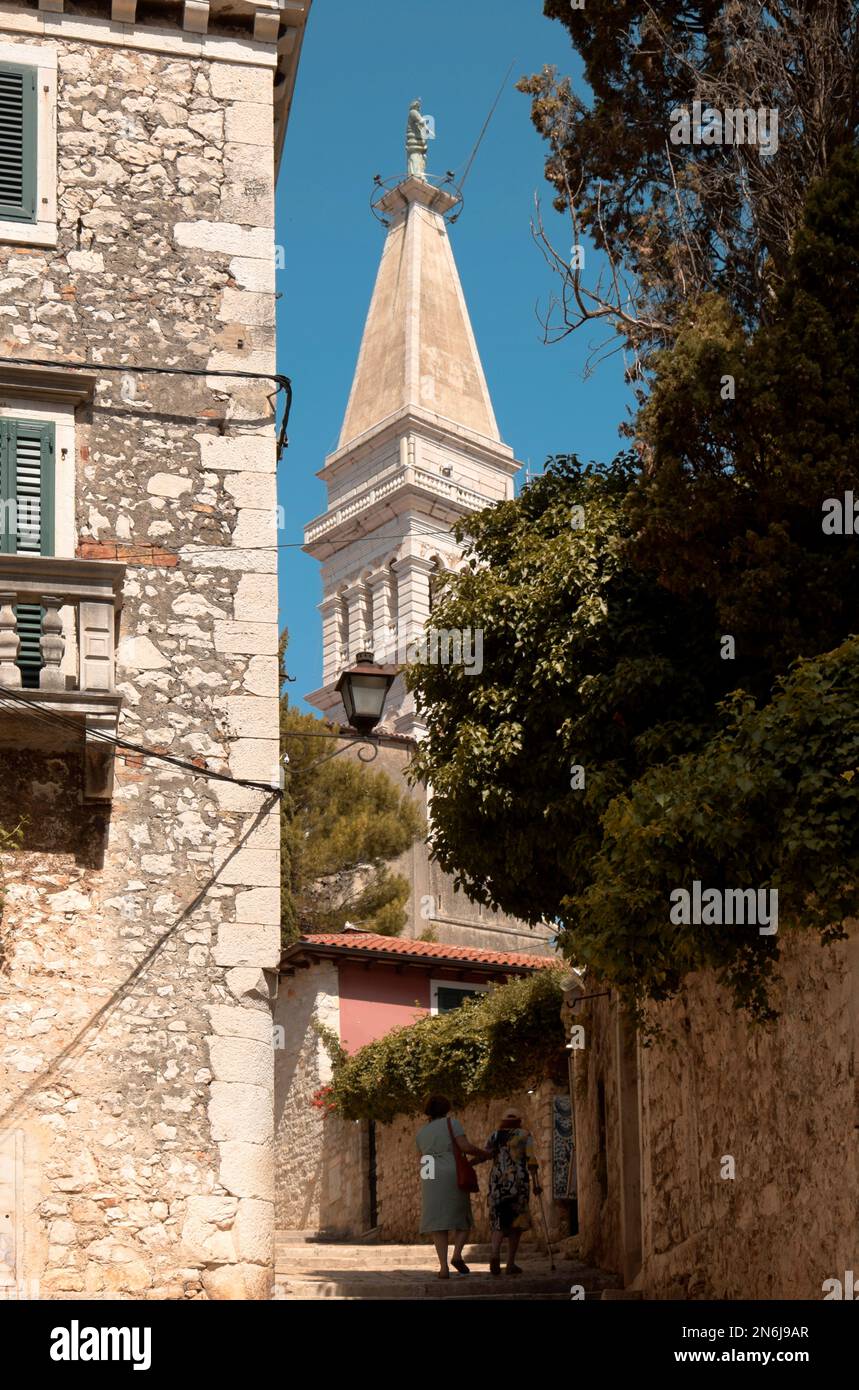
449 994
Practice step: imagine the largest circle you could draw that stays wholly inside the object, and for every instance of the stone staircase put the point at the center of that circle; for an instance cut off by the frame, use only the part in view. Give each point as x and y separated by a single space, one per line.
311 1267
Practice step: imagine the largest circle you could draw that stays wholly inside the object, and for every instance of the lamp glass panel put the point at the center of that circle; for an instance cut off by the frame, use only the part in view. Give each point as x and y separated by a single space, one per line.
368 696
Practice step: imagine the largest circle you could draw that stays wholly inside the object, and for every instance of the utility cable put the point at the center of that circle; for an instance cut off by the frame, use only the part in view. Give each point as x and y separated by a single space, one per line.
283 382
473 154
50 717
189 551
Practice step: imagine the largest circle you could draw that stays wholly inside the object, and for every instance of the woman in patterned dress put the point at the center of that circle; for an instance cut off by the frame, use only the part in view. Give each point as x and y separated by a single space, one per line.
514 1168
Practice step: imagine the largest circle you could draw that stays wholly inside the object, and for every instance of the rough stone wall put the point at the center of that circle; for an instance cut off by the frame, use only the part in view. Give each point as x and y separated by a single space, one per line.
320 1159
138 943
399 1181
782 1102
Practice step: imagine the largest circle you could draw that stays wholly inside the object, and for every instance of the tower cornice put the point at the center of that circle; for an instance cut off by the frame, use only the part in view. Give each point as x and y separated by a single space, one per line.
404 490
413 190
413 420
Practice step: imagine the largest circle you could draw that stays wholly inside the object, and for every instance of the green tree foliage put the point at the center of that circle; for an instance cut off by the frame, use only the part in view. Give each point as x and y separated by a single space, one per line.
681 219
510 1038
339 815
771 801
585 662
730 508
602 649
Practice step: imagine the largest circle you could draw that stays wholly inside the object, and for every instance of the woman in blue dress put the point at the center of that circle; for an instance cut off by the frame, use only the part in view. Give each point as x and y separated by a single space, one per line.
445 1208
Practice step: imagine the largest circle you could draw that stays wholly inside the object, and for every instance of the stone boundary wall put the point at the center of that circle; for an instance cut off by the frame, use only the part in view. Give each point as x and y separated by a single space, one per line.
398 1170
782 1102
320 1160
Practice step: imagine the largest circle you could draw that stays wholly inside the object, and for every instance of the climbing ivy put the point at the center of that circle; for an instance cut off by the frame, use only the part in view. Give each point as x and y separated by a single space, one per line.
772 800
489 1047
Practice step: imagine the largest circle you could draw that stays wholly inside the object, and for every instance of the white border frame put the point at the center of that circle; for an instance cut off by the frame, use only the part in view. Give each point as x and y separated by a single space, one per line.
435 985
42 57
62 417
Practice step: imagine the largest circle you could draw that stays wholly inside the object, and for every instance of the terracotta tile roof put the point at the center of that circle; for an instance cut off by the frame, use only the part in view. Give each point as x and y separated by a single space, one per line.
367 943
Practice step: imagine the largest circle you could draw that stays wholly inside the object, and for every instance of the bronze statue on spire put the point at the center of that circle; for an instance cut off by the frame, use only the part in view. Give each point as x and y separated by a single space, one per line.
416 142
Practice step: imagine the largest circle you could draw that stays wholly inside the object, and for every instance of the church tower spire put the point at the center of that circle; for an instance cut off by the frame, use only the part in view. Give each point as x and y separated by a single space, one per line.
418 350
418 449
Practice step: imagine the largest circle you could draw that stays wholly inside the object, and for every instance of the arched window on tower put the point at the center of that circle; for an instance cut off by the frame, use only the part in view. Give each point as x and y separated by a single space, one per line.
343 628
436 573
393 597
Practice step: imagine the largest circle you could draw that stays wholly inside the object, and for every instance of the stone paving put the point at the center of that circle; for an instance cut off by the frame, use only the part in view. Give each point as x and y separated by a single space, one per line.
312 1268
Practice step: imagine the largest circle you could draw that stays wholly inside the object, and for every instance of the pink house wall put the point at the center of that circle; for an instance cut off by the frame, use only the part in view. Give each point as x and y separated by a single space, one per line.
374 1001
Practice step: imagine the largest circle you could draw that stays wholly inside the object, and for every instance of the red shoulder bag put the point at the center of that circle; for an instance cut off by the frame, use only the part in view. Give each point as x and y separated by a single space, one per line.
466 1177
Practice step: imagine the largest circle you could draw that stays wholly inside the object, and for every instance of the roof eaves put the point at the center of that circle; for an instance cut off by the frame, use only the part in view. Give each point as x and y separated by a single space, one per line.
294 953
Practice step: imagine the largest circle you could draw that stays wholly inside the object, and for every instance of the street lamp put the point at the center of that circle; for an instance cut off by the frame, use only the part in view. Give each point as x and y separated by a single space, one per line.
363 689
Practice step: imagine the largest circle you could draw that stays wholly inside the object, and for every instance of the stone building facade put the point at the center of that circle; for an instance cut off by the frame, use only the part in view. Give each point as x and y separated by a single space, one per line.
722 1161
140 926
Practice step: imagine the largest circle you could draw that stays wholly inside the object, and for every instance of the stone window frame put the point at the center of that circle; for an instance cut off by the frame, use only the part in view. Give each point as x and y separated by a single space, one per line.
62 416
42 232
472 986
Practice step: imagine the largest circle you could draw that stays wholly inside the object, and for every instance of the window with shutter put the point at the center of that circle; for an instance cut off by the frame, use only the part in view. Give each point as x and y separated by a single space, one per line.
17 143
27 527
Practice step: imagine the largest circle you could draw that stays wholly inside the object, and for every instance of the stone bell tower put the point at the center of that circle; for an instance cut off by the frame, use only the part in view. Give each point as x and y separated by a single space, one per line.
419 448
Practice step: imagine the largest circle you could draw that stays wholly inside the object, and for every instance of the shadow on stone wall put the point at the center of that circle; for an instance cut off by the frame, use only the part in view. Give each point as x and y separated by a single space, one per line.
40 795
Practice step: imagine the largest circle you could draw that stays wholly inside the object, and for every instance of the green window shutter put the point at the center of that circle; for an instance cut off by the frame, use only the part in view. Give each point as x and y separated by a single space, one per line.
31 450
27 495
449 999
6 493
17 143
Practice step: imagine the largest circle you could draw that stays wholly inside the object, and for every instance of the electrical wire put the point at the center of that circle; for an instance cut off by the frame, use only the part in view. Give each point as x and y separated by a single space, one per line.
283 382
10 699
190 552
473 154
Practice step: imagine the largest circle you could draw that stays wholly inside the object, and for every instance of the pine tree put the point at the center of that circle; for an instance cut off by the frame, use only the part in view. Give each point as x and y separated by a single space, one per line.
342 825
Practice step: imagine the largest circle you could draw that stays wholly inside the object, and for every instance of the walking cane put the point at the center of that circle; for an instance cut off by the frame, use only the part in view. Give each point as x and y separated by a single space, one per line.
546 1229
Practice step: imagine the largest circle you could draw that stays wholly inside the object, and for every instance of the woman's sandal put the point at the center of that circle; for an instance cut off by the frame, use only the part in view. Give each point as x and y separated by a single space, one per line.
443 1274
495 1266
512 1269
460 1266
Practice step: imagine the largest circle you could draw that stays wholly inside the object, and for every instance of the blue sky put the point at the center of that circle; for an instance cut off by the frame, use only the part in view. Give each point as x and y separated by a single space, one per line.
360 67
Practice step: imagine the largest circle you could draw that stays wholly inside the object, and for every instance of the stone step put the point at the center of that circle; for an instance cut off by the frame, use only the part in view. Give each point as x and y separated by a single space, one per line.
418 1256
340 1269
288 1297
373 1285
310 1268
478 1250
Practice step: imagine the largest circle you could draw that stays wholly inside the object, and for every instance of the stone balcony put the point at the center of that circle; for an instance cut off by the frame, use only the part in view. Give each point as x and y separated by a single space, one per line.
58 675
441 498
